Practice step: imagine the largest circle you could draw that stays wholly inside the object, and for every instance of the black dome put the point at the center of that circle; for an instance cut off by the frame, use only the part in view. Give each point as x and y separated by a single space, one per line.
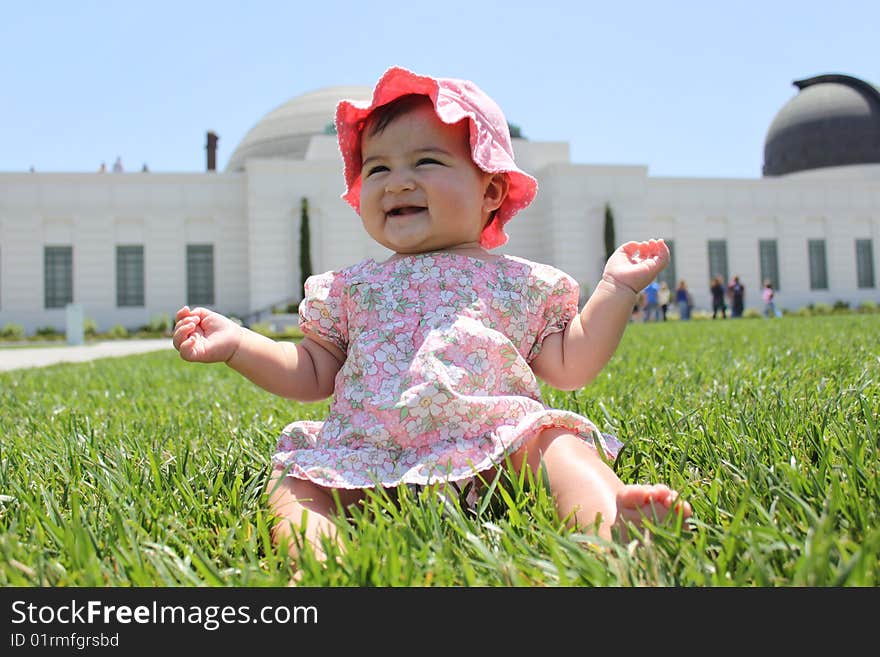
833 121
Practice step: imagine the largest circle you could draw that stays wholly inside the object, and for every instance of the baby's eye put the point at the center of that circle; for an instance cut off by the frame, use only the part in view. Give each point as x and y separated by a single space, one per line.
428 160
376 169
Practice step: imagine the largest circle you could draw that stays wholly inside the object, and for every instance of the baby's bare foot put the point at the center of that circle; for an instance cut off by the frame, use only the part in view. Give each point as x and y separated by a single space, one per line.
637 502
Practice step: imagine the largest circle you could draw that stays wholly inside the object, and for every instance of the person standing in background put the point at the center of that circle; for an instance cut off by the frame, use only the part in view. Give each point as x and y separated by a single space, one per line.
716 287
737 292
663 298
768 296
652 302
683 300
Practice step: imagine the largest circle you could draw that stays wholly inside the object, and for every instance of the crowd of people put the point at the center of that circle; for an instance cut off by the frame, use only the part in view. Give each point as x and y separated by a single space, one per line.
654 301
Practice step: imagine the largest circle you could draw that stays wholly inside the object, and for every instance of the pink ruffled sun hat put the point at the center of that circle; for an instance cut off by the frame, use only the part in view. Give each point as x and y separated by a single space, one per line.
453 100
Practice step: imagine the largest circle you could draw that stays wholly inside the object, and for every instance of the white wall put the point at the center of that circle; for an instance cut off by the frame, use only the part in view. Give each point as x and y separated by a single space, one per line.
93 213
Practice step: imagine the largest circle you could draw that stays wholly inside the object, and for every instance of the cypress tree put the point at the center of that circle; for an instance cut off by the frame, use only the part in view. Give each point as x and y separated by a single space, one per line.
609 231
305 247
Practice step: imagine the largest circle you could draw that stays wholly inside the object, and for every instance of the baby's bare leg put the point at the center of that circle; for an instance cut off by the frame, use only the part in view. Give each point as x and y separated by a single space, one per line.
584 487
301 504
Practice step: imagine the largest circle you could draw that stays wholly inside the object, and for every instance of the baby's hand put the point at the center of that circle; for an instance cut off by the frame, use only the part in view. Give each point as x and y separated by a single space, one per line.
203 336
635 264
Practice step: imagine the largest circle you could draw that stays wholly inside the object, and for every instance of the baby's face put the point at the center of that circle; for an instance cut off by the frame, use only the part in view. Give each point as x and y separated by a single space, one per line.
420 190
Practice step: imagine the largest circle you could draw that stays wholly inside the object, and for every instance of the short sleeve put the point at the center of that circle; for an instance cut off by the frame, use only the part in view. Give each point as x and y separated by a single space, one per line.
556 296
322 310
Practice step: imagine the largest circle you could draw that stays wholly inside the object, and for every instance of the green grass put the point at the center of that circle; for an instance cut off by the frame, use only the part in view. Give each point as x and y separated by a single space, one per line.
149 471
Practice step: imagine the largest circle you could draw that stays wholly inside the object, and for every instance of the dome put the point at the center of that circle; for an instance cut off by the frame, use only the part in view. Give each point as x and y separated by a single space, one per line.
833 121
285 131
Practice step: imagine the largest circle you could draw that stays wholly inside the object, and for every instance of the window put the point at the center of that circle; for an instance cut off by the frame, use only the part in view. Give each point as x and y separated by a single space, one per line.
769 260
818 265
865 263
668 274
718 259
57 276
129 275
200 274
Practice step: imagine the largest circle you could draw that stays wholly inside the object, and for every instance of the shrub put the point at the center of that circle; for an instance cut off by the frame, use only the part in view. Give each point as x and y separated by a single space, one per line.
291 333
263 328
821 308
287 309
118 331
159 324
90 327
867 307
11 331
47 332
752 313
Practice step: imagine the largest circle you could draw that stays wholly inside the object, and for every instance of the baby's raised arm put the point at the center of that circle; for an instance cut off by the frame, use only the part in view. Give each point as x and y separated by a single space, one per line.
572 358
304 371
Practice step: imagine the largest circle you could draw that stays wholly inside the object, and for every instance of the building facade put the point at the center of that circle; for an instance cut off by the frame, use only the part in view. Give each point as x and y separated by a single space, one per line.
129 247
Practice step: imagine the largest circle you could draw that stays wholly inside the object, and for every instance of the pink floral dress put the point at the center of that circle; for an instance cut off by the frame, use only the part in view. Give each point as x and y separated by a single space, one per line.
436 384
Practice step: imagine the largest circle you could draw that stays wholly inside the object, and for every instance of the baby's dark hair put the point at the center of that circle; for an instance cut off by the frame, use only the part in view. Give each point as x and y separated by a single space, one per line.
380 117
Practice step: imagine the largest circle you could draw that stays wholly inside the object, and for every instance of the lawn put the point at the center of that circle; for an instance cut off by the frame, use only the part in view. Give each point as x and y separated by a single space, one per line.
149 471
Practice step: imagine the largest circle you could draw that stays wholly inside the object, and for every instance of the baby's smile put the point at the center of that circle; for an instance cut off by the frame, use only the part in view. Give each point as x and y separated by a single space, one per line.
405 210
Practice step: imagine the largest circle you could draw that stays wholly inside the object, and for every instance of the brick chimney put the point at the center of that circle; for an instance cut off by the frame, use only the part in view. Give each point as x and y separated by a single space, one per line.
211 147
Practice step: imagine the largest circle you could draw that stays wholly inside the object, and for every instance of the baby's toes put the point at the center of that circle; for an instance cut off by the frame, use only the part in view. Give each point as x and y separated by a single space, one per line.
637 496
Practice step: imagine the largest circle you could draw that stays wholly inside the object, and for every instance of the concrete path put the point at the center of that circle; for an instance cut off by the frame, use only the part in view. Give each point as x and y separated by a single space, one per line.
20 357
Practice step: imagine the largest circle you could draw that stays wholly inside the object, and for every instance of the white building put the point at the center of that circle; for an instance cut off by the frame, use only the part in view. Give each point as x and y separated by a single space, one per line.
128 247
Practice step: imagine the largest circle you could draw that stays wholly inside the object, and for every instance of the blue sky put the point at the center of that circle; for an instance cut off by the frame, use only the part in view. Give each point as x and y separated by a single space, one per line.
685 88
